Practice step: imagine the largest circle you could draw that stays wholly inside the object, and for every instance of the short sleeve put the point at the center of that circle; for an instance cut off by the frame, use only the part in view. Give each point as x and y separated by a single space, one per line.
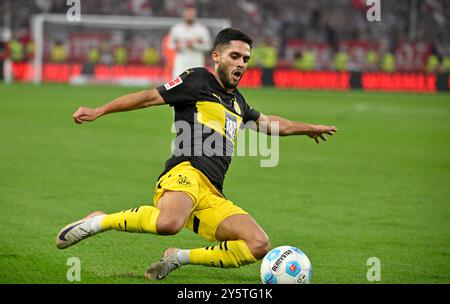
250 114
183 89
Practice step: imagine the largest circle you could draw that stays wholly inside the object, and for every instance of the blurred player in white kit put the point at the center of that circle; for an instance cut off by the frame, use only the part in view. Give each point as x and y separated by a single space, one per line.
191 40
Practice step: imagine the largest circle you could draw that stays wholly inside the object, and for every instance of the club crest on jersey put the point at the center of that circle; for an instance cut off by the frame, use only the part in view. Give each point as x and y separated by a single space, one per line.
173 83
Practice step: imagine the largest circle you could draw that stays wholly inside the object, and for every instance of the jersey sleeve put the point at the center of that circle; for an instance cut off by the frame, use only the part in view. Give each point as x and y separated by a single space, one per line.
250 114
183 89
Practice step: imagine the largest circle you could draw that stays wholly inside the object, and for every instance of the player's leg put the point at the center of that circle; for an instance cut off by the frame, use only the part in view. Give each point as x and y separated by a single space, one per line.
174 198
243 242
244 227
175 208
170 217
79 230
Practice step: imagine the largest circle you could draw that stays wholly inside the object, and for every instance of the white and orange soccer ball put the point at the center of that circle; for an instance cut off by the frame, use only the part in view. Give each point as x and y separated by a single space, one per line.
286 265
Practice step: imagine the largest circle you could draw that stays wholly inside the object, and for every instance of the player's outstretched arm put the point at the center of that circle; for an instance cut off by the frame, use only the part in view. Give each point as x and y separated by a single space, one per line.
275 125
133 101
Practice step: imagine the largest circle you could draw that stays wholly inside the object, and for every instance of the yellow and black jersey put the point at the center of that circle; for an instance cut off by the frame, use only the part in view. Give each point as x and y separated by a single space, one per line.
207 119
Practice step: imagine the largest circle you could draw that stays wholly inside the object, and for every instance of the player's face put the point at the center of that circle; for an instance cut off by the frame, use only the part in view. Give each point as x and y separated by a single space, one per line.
190 14
232 63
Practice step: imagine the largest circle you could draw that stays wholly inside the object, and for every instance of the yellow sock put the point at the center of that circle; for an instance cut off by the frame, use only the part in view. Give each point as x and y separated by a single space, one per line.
228 254
141 219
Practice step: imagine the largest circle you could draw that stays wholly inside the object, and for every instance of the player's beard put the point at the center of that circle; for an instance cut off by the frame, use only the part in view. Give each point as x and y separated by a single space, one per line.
225 77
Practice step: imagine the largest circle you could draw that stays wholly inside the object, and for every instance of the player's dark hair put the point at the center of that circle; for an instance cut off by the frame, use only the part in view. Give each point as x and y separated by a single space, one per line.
226 35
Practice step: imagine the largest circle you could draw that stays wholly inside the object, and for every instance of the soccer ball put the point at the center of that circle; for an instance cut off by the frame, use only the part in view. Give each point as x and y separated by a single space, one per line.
286 265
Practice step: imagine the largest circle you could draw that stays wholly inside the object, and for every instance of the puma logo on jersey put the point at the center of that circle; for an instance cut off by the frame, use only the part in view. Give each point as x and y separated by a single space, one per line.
217 96
236 106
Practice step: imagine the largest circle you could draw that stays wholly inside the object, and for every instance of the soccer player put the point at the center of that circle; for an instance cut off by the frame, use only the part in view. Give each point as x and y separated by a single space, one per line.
188 193
190 40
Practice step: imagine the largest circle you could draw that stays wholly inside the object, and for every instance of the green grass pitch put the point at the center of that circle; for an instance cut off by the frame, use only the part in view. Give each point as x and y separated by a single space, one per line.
378 188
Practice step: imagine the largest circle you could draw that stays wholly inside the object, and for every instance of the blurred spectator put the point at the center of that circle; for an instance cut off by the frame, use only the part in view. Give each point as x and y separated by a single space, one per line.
341 60
58 52
388 62
327 22
29 50
16 49
432 63
190 40
44 6
93 55
372 59
105 54
150 56
446 64
140 7
169 57
120 55
264 55
305 61
256 56
268 54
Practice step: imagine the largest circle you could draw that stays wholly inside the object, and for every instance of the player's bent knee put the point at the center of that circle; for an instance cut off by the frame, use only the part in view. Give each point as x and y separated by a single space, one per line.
169 226
259 247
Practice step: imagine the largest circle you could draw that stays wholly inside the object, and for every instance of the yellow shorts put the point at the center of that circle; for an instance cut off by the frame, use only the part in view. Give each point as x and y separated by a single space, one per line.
210 207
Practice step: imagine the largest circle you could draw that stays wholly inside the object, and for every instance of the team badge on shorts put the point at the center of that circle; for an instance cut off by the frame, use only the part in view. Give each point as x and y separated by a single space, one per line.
183 180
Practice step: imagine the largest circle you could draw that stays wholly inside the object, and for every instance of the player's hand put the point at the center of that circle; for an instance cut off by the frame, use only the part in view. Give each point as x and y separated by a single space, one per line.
85 114
178 46
319 131
190 44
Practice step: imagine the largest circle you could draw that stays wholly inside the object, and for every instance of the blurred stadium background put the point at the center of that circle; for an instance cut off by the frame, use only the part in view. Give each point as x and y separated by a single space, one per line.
295 42
378 188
